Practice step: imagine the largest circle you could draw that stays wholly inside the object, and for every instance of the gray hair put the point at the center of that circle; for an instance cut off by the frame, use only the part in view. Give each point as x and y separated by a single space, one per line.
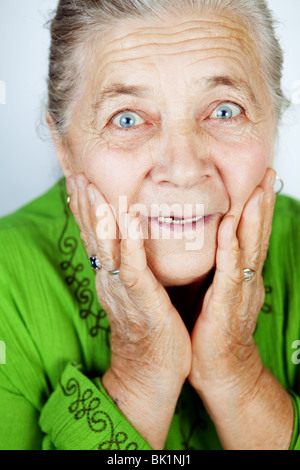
77 21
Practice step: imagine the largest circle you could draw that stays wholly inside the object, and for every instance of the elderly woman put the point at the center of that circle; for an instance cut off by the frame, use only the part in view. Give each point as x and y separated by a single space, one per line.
184 333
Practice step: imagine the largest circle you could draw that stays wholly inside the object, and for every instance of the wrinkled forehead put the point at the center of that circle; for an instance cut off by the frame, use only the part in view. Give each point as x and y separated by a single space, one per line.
133 33
174 47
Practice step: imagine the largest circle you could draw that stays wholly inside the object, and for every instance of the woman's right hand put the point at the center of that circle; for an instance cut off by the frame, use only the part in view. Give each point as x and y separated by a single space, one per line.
150 345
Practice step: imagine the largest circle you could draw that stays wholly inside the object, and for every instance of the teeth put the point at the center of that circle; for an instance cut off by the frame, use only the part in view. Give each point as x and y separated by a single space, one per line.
170 220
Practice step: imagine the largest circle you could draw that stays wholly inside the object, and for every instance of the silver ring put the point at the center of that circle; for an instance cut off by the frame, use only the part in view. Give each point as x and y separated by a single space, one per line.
248 274
95 263
113 273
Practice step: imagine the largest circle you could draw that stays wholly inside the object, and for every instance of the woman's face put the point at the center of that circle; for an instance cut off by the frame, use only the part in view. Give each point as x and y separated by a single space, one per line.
174 112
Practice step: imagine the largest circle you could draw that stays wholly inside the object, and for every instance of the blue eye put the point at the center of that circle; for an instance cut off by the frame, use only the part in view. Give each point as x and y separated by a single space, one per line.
227 111
127 120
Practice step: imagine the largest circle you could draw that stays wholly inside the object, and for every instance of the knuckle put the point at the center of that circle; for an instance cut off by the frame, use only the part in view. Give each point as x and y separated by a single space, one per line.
108 264
129 247
127 252
133 259
130 283
131 277
254 260
81 181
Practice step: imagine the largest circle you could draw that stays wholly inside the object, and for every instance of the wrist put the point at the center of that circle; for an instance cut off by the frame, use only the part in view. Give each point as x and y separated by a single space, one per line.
123 387
258 417
146 374
148 405
234 379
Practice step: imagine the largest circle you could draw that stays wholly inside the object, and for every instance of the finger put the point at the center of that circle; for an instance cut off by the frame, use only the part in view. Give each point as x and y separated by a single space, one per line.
250 231
135 274
268 180
228 275
85 215
72 192
268 209
105 229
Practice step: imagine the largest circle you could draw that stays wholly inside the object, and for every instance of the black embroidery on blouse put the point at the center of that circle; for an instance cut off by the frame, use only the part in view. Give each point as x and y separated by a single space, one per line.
88 406
267 308
81 287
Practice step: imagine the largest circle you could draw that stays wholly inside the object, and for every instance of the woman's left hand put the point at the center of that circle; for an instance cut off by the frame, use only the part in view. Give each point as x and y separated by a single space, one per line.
225 357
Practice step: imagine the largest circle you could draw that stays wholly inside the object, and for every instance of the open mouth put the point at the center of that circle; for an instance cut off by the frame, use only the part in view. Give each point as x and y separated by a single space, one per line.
177 224
178 220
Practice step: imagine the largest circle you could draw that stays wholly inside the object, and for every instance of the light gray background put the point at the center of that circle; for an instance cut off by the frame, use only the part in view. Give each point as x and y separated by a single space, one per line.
28 163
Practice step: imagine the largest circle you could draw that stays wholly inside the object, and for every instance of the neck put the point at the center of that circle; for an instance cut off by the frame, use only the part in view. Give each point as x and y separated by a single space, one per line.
188 299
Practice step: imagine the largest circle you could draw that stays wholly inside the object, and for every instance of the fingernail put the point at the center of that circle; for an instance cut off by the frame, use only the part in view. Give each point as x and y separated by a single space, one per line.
71 186
91 195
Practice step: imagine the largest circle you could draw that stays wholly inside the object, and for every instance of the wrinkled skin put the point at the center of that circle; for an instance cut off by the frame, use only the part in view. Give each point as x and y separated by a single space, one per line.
178 152
179 155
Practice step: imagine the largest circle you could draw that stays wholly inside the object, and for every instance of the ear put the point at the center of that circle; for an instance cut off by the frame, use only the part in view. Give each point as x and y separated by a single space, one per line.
61 147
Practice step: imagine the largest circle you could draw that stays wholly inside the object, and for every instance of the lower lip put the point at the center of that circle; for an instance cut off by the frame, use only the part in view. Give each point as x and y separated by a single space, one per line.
179 228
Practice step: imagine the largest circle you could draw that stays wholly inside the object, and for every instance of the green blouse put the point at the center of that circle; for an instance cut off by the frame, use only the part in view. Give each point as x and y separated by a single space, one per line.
54 337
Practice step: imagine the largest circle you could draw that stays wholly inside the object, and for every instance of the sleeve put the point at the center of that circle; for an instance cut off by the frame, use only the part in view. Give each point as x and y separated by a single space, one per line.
19 428
71 412
80 415
22 379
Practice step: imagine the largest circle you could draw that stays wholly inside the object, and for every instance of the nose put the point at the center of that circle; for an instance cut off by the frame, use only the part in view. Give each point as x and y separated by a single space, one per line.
182 158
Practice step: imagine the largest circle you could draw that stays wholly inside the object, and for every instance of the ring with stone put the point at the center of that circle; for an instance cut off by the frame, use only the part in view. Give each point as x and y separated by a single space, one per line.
95 263
248 274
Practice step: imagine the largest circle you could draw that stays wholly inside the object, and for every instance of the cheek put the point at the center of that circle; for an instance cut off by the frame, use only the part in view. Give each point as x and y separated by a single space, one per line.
242 169
115 172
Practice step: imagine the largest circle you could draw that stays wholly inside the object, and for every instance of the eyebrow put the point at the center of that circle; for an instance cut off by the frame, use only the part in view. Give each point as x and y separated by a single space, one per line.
238 84
116 90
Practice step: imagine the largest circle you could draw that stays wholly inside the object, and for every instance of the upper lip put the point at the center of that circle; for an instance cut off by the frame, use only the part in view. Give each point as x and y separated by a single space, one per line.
175 210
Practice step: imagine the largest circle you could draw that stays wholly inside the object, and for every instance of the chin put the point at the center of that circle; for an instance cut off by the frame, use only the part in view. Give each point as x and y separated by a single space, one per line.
180 269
